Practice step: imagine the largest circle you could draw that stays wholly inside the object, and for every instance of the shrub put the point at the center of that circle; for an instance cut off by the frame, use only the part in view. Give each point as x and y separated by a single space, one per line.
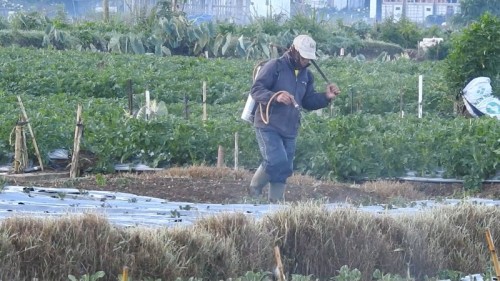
403 32
475 53
373 48
21 38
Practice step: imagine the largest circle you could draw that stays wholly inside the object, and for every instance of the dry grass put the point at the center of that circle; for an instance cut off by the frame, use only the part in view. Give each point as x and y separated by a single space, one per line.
312 239
206 172
392 189
214 173
305 180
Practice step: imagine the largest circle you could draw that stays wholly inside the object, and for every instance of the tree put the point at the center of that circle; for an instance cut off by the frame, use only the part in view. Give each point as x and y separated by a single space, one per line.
402 32
475 53
471 10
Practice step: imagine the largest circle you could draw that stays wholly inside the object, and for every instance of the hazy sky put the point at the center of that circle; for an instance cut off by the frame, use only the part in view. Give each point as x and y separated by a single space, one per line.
277 6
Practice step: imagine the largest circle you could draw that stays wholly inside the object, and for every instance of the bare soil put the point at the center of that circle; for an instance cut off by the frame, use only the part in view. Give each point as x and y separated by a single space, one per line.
212 185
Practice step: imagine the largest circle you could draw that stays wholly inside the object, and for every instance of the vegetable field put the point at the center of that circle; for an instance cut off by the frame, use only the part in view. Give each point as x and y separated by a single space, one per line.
372 130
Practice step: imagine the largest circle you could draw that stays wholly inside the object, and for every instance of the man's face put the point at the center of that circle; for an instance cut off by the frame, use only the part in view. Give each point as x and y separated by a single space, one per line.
299 61
303 61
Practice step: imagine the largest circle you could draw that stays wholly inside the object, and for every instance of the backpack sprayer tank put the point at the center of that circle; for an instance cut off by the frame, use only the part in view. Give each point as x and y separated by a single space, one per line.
248 113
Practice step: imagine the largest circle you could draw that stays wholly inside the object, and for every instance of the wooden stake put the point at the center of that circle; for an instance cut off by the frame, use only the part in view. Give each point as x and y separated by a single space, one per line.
220 157
204 101
494 257
20 149
23 110
130 97
279 265
105 10
75 165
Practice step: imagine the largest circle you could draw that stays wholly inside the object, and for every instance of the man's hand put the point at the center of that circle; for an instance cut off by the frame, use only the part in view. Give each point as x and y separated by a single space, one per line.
286 98
332 91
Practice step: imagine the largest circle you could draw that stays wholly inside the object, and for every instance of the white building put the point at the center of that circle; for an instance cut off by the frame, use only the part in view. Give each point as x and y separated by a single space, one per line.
415 10
237 11
346 4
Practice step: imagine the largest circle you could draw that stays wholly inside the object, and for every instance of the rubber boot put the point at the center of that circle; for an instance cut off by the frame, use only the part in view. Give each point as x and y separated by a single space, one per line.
277 192
259 180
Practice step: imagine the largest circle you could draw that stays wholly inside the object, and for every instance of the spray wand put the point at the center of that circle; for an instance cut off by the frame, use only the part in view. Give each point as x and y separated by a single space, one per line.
320 72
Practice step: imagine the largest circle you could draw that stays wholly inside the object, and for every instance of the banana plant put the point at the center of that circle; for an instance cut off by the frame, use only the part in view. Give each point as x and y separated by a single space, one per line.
130 43
59 39
260 46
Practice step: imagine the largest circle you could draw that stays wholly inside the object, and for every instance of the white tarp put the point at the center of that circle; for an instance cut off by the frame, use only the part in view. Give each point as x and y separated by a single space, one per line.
479 100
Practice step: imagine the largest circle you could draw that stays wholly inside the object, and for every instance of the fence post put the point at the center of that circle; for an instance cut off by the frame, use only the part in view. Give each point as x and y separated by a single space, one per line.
75 165
148 104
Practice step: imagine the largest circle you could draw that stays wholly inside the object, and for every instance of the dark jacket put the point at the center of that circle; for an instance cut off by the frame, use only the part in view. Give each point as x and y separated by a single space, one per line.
279 75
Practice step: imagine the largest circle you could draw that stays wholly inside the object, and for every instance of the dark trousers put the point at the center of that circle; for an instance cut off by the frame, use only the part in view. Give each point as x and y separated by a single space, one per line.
277 154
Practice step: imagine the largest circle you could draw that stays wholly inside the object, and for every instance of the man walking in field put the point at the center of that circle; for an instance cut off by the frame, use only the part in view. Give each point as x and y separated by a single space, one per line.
282 87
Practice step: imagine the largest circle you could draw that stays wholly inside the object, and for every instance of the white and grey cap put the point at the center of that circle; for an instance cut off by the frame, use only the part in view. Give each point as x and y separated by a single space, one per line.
306 46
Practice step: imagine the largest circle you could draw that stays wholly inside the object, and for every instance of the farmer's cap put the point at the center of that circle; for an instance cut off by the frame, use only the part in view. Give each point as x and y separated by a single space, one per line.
306 46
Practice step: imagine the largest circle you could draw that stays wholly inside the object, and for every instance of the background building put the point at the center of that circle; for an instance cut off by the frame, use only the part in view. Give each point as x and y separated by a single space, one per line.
419 11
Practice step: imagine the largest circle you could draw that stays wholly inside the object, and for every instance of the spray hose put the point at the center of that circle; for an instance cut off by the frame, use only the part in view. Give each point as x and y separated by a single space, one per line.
265 119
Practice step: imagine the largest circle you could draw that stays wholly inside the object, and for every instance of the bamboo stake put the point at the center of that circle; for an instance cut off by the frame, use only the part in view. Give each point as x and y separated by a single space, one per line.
75 165
494 257
125 273
279 265
23 110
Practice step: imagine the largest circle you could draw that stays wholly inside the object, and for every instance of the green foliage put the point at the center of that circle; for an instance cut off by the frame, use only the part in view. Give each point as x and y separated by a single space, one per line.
4 23
58 39
346 274
100 180
353 147
87 277
379 275
367 129
255 276
308 23
439 51
164 33
475 53
358 28
372 48
28 21
450 274
471 10
22 38
402 32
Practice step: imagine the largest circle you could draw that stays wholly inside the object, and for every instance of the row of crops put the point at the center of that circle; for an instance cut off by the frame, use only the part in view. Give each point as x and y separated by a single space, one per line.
362 136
